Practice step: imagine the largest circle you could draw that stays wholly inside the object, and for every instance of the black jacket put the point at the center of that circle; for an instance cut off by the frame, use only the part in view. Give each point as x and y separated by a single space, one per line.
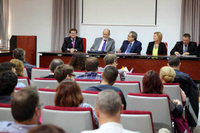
68 44
162 50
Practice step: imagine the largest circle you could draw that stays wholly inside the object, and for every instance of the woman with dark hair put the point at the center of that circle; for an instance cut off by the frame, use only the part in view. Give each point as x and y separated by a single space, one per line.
78 61
68 94
153 85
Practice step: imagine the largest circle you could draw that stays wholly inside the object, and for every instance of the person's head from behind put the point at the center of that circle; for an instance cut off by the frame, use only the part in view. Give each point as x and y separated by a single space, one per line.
106 34
108 106
78 61
174 62
8 81
54 64
157 37
167 74
91 64
63 71
46 128
19 53
132 36
110 75
8 66
186 39
152 83
19 67
110 59
68 94
73 33
25 106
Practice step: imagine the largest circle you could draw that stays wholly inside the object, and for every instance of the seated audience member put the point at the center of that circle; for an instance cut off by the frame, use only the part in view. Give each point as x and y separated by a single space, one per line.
198 50
63 71
68 94
91 66
105 43
131 45
185 47
163 130
153 85
25 109
187 85
10 66
19 67
167 75
8 81
156 47
109 77
19 53
78 61
73 43
108 108
111 60
52 66
47 128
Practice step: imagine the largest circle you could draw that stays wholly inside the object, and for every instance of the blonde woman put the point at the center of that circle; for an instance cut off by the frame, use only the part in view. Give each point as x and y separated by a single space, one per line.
167 75
19 67
156 47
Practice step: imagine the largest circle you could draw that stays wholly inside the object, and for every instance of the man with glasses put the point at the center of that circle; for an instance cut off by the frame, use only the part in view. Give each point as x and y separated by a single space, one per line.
73 43
131 45
25 109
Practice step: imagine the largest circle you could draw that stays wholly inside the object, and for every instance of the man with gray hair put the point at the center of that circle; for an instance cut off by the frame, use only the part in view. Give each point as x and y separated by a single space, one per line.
54 63
132 45
108 108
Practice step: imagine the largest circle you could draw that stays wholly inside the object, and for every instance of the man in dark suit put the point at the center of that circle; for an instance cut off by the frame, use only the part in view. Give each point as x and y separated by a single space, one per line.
131 45
185 47
52 66
72 43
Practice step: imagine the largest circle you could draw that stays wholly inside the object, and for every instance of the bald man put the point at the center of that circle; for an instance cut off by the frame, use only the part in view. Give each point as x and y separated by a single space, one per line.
104 44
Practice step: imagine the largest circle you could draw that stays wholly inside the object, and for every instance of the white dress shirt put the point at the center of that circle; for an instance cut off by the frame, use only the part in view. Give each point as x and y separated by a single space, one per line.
101 45
110 127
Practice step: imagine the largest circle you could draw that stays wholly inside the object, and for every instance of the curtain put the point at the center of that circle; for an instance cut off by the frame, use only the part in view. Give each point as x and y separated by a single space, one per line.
4 21
190 19
64 17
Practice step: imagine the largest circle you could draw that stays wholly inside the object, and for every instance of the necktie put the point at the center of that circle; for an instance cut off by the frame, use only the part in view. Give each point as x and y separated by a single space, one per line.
104 45
129 48
186 49
73 43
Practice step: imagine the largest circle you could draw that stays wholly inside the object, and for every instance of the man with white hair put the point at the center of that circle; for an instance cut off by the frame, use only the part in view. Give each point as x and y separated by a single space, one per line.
108 108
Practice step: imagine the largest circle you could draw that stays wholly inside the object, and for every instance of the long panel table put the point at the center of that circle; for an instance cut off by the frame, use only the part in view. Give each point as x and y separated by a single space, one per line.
140 63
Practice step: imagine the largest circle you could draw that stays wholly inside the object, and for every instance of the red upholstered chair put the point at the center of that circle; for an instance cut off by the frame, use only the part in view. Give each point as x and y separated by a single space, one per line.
49 83
135 77
85 83
5 112
166 44
71 119
128 87
137 121
24 80
39 72
84 45
157 104
26 74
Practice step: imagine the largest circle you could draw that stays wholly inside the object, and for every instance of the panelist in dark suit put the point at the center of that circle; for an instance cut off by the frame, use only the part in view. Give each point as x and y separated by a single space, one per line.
131 45
157 47
72 43
185 47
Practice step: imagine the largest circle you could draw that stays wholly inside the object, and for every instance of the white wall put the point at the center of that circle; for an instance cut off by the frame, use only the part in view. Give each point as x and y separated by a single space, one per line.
168 22
32 17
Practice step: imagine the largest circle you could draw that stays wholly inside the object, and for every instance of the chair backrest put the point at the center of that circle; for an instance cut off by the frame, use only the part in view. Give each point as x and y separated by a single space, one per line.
25 71
172 90
84 45
85 83
79 72
5 112
166 44
48 83
135 77
118 76
39 72
137 121
71 119
128 87
24 80
47 96
157 104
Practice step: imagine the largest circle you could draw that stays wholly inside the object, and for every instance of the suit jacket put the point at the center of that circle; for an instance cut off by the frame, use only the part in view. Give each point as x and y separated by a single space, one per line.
110 46
68 44
162 50
198 51
192 48
136 47
49 76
